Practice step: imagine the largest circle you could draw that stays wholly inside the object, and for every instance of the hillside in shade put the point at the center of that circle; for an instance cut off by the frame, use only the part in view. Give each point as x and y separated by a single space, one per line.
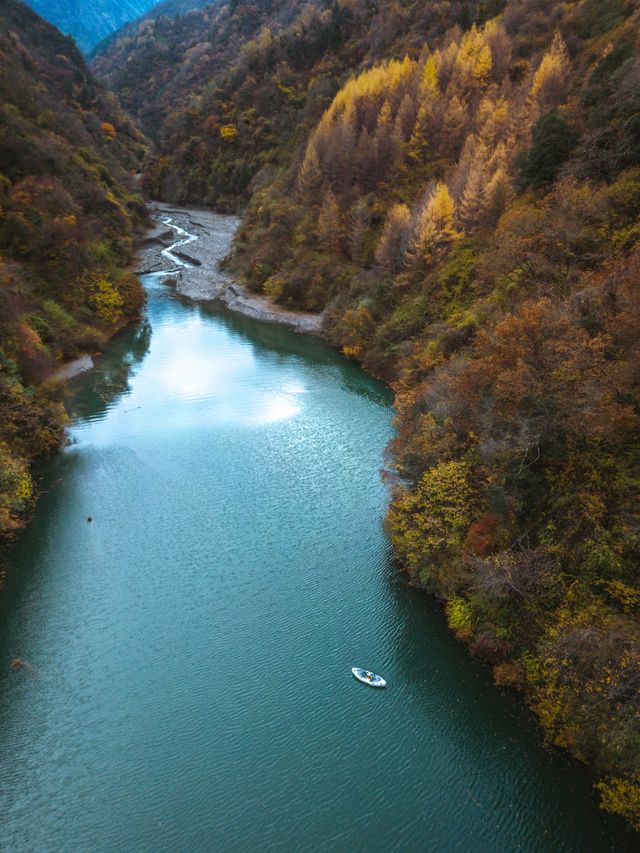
68 215
90 22
172 9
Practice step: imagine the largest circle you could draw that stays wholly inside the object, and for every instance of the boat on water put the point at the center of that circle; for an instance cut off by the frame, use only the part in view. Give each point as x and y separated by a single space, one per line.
367 677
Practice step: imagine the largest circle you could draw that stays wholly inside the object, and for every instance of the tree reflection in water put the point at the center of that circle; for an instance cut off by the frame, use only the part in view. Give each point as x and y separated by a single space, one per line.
104 387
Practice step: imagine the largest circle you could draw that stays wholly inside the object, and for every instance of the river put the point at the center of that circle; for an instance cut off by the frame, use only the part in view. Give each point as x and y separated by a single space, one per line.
187 681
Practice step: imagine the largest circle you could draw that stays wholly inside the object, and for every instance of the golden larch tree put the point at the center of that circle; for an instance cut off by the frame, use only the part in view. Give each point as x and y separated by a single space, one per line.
329 230
434 227
390 251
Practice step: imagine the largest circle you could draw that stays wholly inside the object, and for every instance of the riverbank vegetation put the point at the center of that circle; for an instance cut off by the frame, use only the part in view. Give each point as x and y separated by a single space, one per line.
457 187
68 213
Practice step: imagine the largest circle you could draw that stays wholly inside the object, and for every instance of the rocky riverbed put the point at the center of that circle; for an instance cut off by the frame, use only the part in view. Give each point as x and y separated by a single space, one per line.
189 243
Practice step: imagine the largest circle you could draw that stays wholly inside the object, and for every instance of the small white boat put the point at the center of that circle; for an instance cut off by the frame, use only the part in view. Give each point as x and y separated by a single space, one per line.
367 677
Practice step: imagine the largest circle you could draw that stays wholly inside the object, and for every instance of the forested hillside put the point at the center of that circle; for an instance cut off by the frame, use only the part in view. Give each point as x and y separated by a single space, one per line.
67 220
458 188
229 89
89 23
173 9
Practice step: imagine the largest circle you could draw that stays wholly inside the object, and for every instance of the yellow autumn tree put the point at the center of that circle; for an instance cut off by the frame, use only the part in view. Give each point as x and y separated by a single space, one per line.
493 120
454 124
228 132
498 195
429 85
474 60
496 36
406 117
621 795
329 230
358 226
387 142
472 203
418 145
107 301
434 225
16 488
551 81
428 523
392 245
109 130
309 174
499 189
374 85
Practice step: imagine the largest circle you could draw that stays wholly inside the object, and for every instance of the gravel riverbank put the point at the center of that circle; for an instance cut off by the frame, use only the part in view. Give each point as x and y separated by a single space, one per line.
189 243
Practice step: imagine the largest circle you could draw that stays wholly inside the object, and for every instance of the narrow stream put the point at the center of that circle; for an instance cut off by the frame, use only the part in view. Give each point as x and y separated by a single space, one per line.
189 684
184 238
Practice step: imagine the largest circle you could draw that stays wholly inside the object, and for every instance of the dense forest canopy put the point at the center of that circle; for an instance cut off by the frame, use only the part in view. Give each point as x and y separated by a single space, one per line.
457 187
173 9
226 90
68 212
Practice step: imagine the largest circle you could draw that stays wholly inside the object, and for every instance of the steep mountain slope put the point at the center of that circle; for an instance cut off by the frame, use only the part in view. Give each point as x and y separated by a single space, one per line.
163 9
67 216
224 90
89 23
460 192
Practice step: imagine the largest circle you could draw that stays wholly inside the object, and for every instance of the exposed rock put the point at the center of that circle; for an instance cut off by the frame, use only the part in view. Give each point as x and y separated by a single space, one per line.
74 368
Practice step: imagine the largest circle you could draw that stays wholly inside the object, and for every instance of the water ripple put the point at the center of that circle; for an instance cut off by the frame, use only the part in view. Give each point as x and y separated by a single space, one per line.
191 648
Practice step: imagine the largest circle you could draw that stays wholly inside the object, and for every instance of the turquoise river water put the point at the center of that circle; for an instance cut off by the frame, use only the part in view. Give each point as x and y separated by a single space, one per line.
188 685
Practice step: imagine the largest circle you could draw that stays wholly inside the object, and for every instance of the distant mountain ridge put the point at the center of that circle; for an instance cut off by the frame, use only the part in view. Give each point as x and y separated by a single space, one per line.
162 9
90 23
